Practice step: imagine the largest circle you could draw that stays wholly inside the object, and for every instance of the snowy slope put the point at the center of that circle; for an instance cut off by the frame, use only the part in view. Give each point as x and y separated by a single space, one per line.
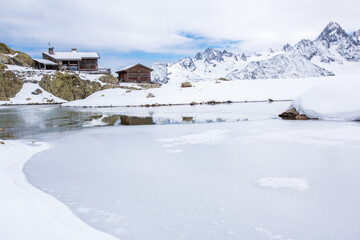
333 47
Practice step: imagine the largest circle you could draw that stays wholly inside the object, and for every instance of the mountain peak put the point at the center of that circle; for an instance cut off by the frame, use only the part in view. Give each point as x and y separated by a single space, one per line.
333 32
210 54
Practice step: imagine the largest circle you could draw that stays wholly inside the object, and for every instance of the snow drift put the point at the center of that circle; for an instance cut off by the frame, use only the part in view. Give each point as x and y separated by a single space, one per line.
337 100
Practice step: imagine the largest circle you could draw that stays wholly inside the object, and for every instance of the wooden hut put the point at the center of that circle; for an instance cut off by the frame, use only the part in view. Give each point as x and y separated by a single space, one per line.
136 73
74 61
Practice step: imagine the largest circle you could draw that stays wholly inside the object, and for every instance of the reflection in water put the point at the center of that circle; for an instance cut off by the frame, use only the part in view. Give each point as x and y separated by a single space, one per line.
31 121
28 121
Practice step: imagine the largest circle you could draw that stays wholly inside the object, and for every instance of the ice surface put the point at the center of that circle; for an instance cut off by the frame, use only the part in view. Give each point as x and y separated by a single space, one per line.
26 212
122 180
299 184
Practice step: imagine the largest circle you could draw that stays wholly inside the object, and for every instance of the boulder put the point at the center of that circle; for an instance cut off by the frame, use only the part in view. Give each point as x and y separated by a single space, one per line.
37 92
187 119
186 84
150 95
289 114
301 117
292 114
132 120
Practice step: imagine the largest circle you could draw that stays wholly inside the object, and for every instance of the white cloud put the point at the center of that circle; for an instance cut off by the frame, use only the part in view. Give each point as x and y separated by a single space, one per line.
155 26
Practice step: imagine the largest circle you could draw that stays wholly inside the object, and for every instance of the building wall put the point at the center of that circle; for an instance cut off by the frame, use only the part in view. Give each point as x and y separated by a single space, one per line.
89 64
136 74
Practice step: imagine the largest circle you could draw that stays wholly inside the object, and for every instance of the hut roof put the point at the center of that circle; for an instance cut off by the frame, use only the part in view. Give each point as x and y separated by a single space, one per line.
73 55
132 66
46 62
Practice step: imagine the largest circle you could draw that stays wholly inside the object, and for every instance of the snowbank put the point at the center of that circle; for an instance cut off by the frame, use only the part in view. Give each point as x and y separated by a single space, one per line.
337 100
28 213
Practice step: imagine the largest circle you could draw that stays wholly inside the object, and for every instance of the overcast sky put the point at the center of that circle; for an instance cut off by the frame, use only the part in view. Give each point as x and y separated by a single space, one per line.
126 32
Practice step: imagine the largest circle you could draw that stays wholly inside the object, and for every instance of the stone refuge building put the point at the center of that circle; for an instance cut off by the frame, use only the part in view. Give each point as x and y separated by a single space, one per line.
73 61
137 73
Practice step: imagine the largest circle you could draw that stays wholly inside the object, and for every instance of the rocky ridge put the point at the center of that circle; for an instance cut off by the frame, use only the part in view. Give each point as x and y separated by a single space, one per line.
333 45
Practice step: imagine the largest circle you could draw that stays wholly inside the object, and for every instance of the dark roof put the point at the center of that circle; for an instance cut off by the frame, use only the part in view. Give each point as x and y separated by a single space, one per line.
125 69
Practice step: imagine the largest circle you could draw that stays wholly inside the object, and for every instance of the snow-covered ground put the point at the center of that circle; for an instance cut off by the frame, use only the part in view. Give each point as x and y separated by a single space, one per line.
28 213
267 179
203 91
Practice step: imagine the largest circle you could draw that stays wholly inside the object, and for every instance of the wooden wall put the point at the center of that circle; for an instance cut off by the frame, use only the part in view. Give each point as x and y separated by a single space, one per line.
136 74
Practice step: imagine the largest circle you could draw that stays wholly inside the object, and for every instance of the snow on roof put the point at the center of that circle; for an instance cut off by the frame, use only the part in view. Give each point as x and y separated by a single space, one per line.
131 66
73 55
45 61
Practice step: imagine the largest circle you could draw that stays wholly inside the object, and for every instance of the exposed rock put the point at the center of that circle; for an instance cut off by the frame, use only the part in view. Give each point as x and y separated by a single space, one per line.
28 99
37 92
160 73
243 57
132 120
289 114
292 114
109 86
187 119
2 142
10 84
287 48
9 56
109 78
223 79
69 86
187 63
150 95
4 49
186 84
301 117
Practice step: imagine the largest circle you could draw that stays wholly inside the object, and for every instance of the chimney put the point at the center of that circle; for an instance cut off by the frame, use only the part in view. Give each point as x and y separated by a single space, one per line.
51 51
73 49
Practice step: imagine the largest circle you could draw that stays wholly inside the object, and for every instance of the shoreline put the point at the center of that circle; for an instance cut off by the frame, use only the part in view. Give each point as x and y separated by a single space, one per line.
181 104
27 208
153 105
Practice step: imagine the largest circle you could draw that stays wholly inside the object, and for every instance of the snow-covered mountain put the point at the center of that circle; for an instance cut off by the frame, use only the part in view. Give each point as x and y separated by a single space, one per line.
320 57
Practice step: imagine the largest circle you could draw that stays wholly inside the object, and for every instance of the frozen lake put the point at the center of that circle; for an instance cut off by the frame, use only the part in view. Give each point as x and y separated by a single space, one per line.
264 178
33 121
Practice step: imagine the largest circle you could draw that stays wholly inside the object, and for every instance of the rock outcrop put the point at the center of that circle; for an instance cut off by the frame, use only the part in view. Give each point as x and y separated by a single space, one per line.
109 78
11 57
292 114
10 84
69 86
